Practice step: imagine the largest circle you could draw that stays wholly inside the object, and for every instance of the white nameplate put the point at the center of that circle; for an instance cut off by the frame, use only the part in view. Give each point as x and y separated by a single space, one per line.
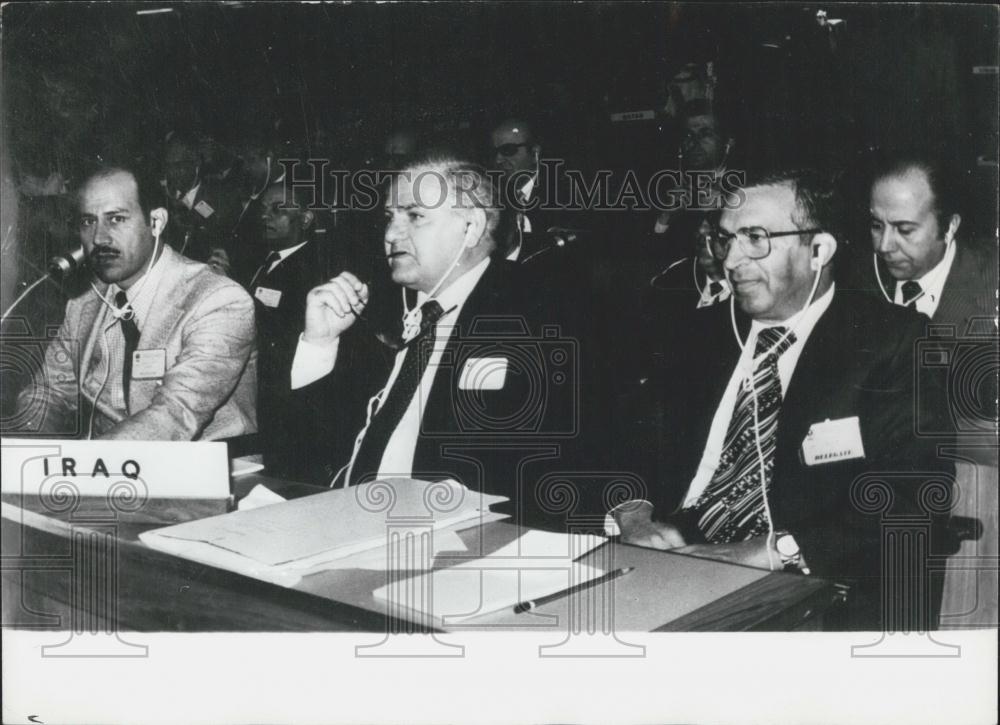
832 441
150 469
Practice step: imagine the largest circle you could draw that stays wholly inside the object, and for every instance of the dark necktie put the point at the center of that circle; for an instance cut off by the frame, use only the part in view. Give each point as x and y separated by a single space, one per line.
131 333
270 259
714 288
732 506
390 412
911 290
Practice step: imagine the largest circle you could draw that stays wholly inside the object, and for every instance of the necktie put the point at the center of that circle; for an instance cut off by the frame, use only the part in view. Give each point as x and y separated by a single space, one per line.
714 288
391 411
732 506
270 259
911 290
131 333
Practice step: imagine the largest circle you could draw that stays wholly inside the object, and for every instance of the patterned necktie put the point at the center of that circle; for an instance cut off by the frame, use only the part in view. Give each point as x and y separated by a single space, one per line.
911 290
270 259
732 506
390 412
131 333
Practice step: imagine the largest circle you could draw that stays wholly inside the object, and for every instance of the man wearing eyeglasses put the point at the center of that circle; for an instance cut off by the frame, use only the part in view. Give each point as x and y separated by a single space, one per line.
774 428
530 188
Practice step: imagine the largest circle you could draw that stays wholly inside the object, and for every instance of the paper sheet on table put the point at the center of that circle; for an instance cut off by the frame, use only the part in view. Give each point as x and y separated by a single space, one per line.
539 549
246 464
260 495
290 575
457 594
297 536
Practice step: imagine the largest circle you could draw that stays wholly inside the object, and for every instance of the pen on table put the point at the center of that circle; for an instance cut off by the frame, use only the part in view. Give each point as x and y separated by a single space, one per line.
535 603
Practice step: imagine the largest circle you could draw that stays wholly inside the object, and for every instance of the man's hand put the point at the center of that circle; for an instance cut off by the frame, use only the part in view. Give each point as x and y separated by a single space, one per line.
333 307
635 521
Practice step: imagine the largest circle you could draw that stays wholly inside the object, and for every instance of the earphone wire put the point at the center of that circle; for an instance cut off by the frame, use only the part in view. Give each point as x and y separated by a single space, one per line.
118 315
749 380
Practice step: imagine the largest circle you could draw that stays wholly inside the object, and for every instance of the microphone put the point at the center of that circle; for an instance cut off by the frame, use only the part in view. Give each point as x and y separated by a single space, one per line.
62 265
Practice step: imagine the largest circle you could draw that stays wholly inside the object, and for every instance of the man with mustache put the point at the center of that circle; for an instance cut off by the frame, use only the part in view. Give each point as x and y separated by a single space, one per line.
921 261
159 347
776 432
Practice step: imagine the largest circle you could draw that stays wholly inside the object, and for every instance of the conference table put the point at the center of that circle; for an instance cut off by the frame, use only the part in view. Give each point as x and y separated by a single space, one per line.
84 569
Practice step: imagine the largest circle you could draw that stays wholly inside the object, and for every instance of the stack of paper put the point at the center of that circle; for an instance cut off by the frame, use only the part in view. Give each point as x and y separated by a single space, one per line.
537 564
285 541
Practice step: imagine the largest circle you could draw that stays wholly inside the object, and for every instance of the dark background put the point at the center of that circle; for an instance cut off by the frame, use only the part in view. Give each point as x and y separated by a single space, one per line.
81 80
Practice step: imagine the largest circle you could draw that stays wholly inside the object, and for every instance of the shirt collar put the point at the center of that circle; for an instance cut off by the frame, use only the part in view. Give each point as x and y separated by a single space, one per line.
284 254
801 323
140 296
525 191
188 199
932 283
455 294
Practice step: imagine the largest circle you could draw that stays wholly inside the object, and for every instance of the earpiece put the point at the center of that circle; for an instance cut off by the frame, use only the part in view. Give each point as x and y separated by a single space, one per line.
818 258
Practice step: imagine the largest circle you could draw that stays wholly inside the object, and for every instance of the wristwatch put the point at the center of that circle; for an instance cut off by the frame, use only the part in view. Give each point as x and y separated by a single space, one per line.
788 549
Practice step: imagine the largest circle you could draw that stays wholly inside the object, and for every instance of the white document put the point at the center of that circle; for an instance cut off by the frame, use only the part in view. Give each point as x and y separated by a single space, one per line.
260 495
287 540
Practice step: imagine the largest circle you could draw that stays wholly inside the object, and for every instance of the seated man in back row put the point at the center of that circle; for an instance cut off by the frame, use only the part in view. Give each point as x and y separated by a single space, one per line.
472 387
785 437
160 347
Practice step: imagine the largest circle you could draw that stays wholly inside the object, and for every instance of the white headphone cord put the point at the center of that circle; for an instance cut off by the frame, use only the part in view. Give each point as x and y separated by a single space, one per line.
753 391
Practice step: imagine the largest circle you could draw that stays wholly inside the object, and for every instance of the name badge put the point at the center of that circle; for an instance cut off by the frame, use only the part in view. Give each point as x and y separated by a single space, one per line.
832 441
204 208
267 296
483 373
149 364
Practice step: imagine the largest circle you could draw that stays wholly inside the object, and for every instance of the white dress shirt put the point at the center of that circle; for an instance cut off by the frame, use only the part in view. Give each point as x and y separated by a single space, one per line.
802 325
314 361
284 254
931 283
102 380
802 328
707 298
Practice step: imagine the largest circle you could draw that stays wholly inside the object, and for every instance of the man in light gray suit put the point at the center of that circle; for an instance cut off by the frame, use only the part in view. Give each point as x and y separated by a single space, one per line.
160 347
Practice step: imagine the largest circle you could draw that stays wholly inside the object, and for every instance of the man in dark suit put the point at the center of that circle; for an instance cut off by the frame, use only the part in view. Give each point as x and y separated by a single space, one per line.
295 263
538 194
920 262
783 438
205 211
476 389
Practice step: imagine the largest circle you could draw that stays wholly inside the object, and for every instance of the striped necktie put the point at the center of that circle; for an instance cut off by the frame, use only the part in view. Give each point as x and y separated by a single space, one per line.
732 506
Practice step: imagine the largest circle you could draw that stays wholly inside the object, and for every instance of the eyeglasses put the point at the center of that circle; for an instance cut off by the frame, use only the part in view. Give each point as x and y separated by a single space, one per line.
755 242
508 149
